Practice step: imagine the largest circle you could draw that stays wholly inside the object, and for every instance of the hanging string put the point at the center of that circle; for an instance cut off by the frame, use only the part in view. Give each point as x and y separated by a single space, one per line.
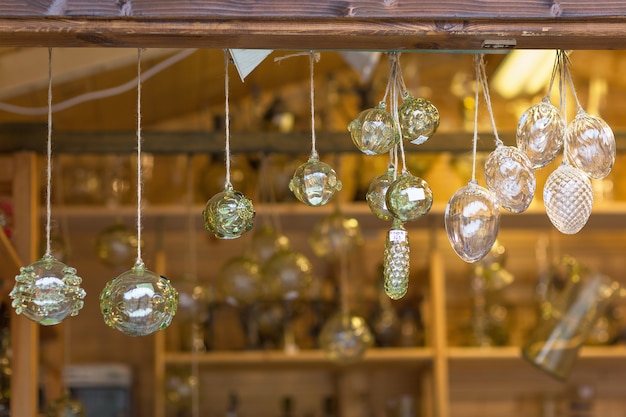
312 99
568 75
139 261
485 87
49 159
563 98
227 184
395 85
555 71
475 141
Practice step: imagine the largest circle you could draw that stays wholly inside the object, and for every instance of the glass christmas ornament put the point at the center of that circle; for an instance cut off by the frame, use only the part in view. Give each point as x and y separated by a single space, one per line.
287 275
345 337
568 198
377 192
240 280
138 302
419 119
510 176
590 145
228 214
472 221
373 131
116 245
396 261
47 291
540 133
409 197
266 241
314 183
335 234
65 407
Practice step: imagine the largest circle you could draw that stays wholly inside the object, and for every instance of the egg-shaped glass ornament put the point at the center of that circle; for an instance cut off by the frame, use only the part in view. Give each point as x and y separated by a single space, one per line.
335 234
396 261
345 338
47 291
228 214
377 192
409 197
240 280
510 176
540 133
287 275
419 119
138 302
472 221
590 145
568 198
265 242
373 131
314 183
116 245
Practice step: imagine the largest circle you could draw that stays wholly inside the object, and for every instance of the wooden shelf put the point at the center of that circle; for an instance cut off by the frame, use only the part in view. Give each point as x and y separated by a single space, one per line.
513 353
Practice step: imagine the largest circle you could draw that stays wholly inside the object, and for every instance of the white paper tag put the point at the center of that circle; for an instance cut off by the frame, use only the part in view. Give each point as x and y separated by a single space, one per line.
397 235
246 60
415 194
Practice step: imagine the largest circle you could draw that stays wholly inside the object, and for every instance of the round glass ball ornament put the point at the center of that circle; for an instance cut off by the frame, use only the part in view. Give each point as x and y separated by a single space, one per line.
116 245
510 176
314 183
335 234
47 291
240 280
138 302
287 275
266 241
373 131
228 214
409 197
590 145
345 337
568 198
419 119
472 221
540 133
377 192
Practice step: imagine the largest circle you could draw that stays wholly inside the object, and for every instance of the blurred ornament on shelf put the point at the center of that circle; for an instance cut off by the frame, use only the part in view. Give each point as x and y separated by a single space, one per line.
242 176
492 268
287 275
82 177
345 337
66 406
265 242
334 234
240 280
116 245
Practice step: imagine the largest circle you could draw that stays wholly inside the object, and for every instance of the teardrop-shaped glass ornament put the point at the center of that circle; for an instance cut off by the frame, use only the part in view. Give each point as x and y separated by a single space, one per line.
377 192
568 197
419 119
472 220
47 291
314 183
540 133
138 302
373 131
266 241
335 234
116 245
240 280
510 176
396 261
345 337
228 214
409 197
287 275
590 145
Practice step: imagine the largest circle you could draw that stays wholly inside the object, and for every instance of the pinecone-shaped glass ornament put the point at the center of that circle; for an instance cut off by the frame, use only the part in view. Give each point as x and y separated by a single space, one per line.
47 291
373 131
419 119
377 192
568 197
590 145
314 183
540 133
396 261
472 220
345 337
228 214
138 302
409 197
510 176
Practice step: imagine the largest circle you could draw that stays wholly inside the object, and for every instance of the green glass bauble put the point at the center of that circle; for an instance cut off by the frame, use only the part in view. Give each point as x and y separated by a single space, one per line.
419 119
396 261
228 214
376 193
345 337
240 280
409 197
314 183
373 131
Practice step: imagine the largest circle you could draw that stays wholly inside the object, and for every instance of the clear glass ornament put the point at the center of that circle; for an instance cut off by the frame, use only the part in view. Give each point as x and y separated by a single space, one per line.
314 183
419 119
228 214
65 407
373 131
510 176
396 261
590 145
287 275
409 197
472 221
335 234
568 198
138 302
193 300
266 241
540 133
345 337
377 192
240 280
47 291
116 245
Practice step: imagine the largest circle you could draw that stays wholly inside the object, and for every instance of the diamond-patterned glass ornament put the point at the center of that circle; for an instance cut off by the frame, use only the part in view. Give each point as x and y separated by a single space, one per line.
568 197
373 131
510 175
396 261
419 119
409 197
314 183
540 133
228 214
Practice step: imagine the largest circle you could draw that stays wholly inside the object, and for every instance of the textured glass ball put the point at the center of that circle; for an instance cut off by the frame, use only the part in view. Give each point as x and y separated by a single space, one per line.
116 245
377 192
419 119
409 197
568 198
138 302
314 183
47 291
540 133
266 241
590 145
287 275
345 337
510 176
396 261
472 221
335 234
228 214
240 280
373 131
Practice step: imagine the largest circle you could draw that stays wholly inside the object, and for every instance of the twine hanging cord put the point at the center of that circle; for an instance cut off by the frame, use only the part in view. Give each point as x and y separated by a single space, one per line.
49 159
482 75
139 261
